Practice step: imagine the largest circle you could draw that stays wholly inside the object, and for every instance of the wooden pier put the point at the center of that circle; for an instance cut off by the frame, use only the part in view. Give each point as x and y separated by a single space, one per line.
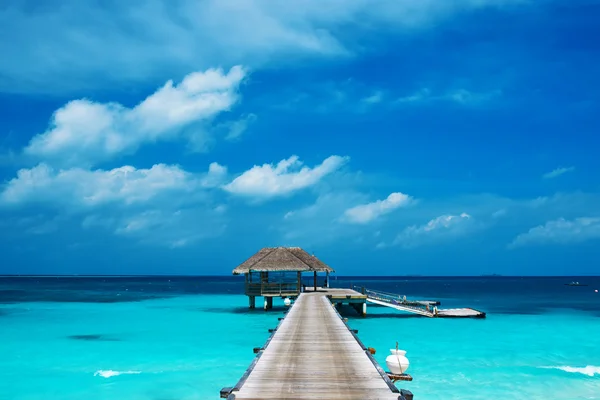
314 355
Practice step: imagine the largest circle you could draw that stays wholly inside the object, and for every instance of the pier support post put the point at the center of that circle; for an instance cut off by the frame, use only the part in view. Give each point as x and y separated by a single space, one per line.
268 303
359 308
251 302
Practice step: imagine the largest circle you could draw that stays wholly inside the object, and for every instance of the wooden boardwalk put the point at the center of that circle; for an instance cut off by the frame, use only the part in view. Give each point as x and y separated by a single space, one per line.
314 355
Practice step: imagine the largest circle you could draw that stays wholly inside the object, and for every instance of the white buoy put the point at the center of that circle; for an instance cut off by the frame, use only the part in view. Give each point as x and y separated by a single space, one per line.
287 301
397 362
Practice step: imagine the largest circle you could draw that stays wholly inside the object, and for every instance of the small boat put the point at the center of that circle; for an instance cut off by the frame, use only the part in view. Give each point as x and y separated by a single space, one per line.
575 284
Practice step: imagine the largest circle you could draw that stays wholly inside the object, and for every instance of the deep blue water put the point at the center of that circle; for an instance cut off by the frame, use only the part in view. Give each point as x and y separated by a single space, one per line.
186 337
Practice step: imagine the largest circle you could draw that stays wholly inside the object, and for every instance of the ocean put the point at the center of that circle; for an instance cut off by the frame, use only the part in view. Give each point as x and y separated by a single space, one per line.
184 338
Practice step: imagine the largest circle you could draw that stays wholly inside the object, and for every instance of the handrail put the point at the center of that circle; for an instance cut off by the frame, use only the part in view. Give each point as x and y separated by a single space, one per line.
394 299
271 288
358 289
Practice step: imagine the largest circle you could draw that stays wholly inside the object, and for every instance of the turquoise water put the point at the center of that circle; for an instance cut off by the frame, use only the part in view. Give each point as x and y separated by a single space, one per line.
78 341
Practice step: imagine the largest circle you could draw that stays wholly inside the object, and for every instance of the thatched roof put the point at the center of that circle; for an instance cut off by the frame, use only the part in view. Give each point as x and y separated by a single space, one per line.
282 259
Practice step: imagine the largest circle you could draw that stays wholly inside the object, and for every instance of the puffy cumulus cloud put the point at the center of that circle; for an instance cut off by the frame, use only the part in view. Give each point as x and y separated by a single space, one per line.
84 133
442 228
366 213
82 188
560 231
285 177
558 172
112 43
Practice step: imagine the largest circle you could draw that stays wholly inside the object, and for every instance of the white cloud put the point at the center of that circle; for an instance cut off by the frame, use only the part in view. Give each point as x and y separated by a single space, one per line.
438 229
217 174
285 177
420 95
113 42
84 133
458 96
375 98
466 97
560 231
82 188
235 129
345 95
558 172
319 223
162 205
499 213
366 213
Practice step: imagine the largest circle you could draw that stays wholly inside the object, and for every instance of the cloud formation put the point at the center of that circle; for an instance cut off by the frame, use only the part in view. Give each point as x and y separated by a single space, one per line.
319 224
560 231
85 133
457 96
365 213
442 228
558 172
82 188
287 176
112 44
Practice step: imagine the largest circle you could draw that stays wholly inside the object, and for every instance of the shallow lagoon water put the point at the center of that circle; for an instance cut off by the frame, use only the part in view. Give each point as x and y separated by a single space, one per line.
186 338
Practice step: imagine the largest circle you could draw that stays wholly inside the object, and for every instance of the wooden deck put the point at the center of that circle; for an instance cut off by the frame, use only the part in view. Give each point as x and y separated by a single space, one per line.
314 355
340 295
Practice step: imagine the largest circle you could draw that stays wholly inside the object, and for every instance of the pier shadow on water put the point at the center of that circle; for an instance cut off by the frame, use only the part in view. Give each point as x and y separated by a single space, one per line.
276 311
397 315
94 337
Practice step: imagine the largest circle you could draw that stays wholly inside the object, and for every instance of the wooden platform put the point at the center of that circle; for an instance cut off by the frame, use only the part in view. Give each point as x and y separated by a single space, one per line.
314 355
460 312
340 295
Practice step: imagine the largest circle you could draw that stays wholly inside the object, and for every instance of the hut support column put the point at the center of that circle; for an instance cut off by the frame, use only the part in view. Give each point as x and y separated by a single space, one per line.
315 281
360 308
268 303
251 302
327 279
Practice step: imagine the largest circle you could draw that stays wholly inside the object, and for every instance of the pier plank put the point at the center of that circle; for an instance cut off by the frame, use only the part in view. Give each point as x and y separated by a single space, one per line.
313 355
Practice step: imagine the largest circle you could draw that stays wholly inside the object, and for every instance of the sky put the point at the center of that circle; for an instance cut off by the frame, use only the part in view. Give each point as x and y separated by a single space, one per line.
387 137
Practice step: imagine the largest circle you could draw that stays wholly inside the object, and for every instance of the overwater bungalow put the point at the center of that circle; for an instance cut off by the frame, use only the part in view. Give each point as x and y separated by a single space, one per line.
277 272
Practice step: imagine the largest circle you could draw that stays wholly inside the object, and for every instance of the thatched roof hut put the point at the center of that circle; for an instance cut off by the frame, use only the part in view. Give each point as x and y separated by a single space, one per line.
282 259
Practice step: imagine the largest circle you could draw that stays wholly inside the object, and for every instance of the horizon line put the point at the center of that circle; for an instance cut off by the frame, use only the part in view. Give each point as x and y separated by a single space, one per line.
340 276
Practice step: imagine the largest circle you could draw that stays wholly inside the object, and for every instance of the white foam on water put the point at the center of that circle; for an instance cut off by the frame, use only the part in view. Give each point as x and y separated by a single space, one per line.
589 370
109 373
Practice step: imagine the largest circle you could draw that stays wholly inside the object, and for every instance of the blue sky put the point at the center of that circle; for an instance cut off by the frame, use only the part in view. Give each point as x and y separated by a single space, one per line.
388 137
